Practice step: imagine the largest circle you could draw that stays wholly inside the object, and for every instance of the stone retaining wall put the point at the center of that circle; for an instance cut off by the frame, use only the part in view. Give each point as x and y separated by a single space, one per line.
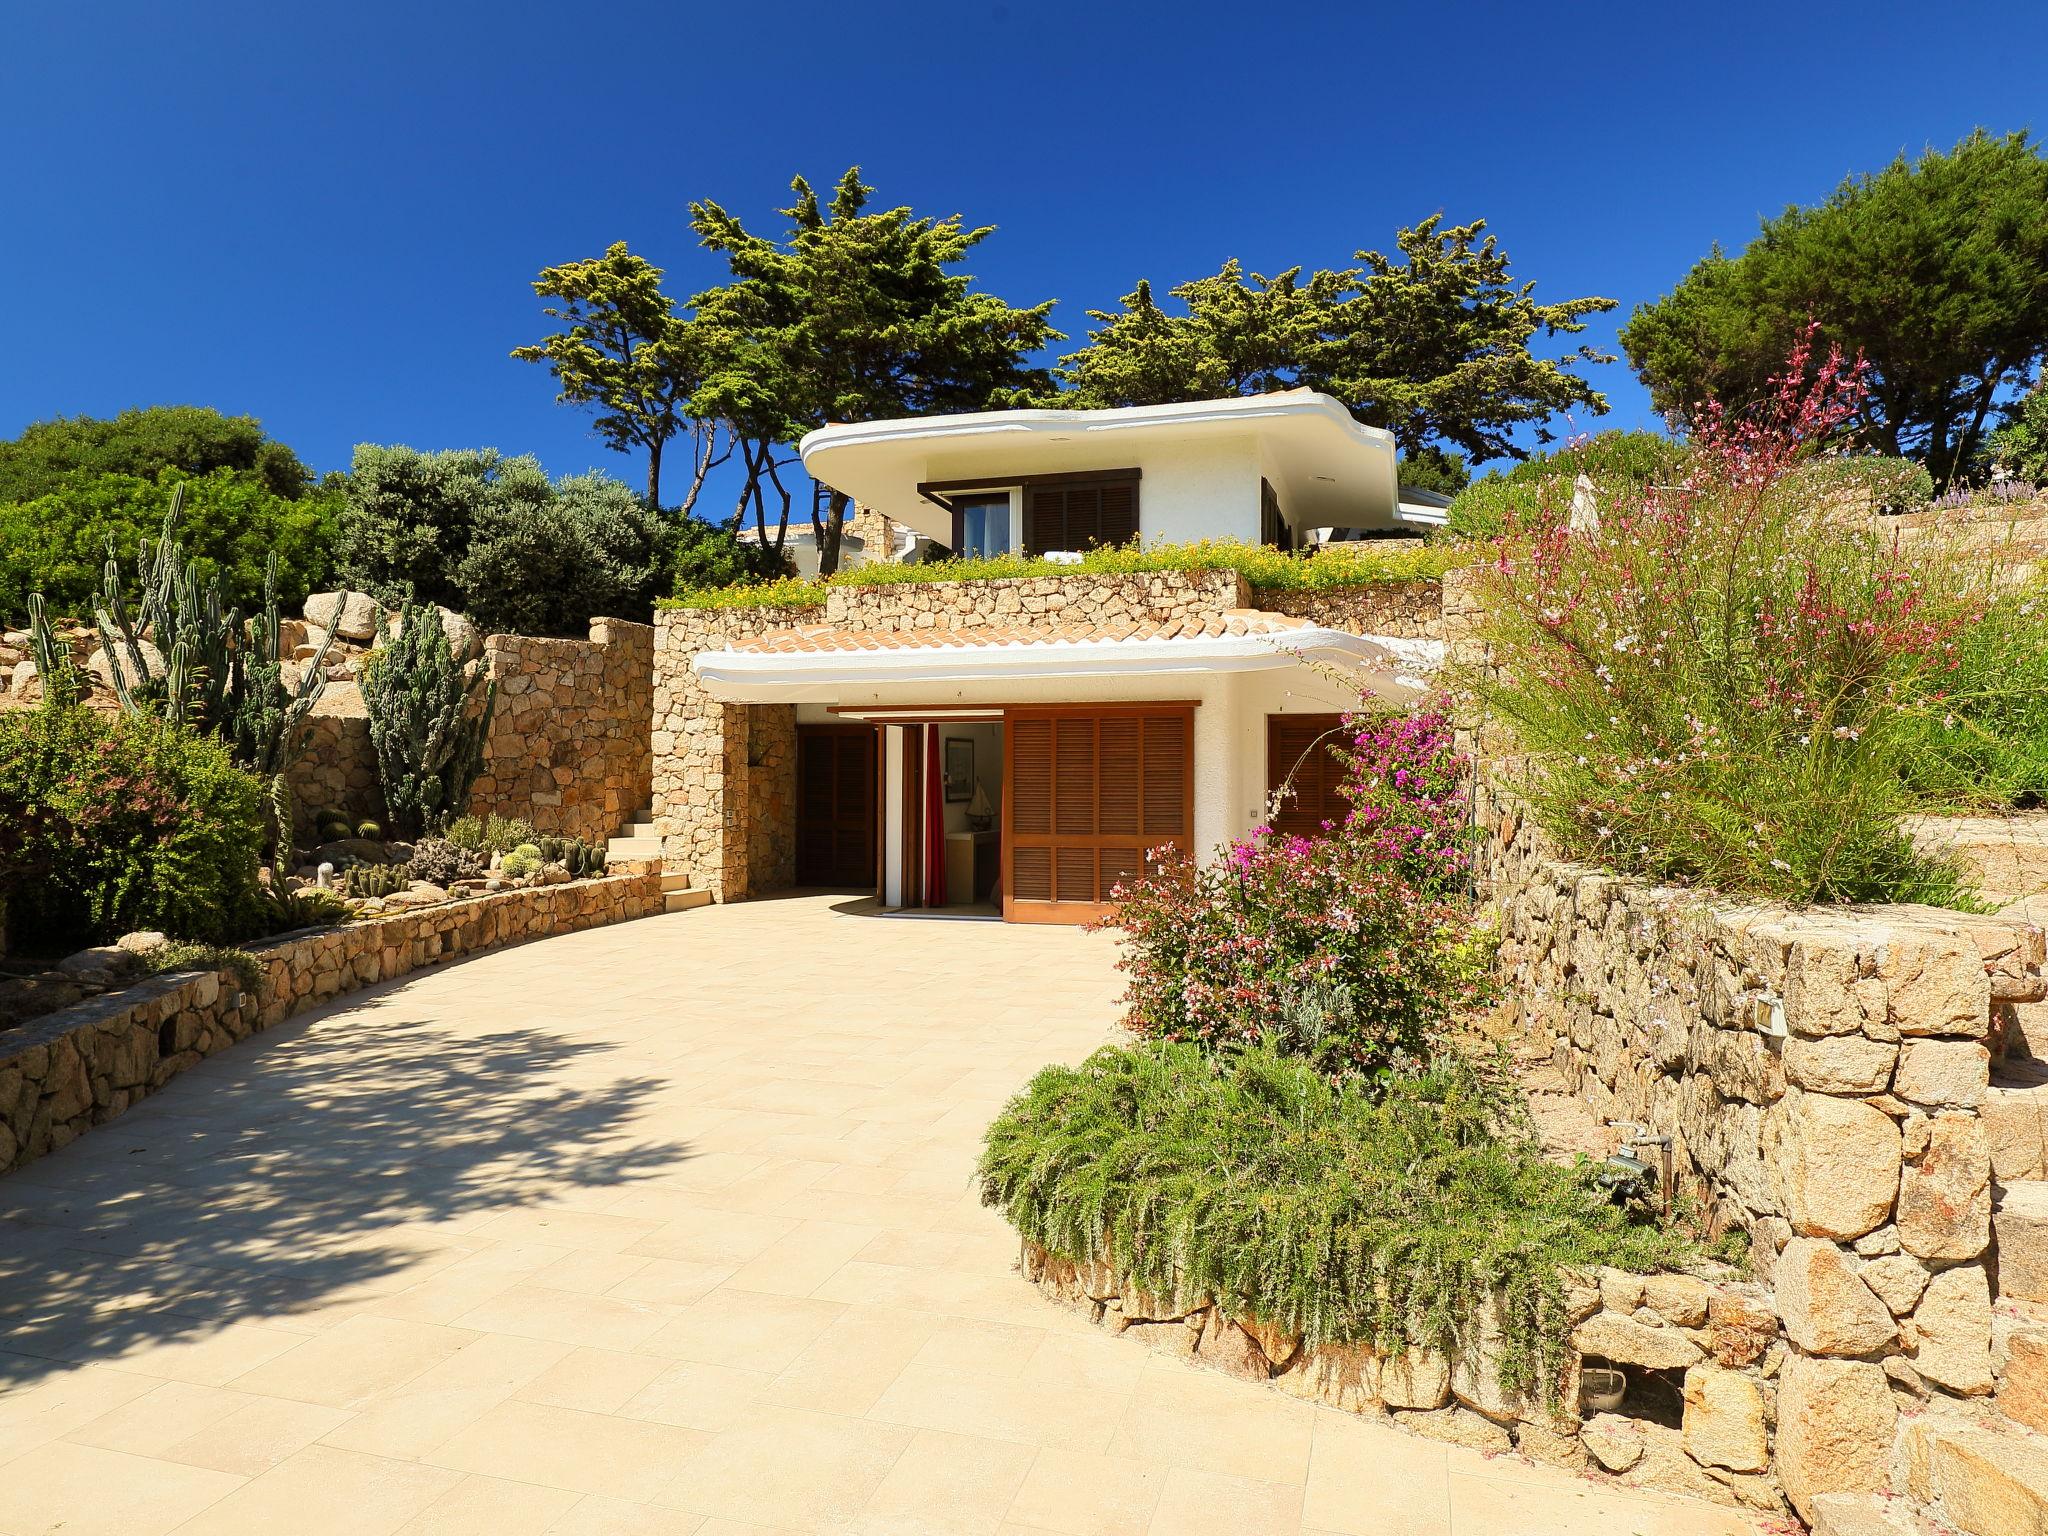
1824 1076
567 750
724 774
568 746
1405 610
68 1071
1713 1344
1157 597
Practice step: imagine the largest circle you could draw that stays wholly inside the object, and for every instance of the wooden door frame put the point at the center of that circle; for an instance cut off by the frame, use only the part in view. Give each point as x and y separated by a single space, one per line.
1073 913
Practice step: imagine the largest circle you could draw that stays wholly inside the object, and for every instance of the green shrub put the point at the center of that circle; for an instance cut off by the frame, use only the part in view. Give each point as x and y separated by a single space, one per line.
231 525
180 955
1387 1219
2020 444
488 835
705 556
547 566
429 710
114 823
1355 564
494 538
1710 687
189 439
406 525
1621 466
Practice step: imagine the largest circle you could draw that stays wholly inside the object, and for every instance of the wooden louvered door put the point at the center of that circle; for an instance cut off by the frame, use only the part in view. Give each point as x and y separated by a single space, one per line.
1085 793
1303 745
835 813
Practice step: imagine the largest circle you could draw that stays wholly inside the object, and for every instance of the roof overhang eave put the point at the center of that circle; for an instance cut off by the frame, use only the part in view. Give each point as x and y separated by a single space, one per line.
1388 669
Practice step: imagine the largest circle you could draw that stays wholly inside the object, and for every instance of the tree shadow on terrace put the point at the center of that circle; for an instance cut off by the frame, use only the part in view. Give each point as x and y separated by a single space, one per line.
306 1167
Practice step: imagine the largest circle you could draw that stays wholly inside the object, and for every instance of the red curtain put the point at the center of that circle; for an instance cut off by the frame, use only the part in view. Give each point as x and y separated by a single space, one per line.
934 820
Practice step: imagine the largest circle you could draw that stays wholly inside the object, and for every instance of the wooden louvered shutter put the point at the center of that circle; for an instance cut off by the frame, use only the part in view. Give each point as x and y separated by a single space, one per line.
1302 745
1116 512
1087 792
1080 514
1028 805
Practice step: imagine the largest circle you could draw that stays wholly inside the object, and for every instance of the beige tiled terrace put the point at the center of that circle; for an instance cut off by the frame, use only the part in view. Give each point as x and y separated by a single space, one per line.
660 1228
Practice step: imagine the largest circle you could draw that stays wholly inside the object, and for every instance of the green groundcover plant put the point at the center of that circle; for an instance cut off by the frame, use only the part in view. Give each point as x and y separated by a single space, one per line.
1392 1217
1330 569
1715 685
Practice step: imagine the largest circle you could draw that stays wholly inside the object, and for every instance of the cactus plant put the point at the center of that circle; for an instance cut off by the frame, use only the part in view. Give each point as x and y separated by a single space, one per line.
372 880
198 681
429 712
59 673
266 728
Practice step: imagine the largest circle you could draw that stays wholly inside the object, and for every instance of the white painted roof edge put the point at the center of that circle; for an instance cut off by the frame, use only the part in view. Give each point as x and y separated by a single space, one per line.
1389 667
1237 410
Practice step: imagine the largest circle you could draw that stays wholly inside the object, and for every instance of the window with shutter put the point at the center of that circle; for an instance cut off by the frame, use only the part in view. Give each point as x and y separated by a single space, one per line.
1086 793
1304 746
1080 513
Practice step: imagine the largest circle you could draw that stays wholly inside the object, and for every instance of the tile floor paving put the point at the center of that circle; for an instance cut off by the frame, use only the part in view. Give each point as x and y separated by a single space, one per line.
657 1229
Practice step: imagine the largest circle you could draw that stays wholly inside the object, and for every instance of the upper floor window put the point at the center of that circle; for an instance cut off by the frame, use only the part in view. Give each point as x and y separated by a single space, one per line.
983 524
1076 512
1058 512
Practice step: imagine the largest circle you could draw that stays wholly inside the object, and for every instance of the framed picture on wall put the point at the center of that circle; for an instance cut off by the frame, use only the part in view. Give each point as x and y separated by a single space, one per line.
959 769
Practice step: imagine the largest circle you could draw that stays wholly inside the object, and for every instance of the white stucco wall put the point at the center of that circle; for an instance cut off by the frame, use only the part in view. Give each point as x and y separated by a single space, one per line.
1195 487
1204 489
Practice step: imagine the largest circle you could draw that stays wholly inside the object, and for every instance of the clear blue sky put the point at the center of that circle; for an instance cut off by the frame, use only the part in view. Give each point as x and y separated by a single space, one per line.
328 216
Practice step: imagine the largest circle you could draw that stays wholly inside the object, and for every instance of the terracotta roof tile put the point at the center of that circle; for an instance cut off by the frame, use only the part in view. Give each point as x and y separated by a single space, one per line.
818 638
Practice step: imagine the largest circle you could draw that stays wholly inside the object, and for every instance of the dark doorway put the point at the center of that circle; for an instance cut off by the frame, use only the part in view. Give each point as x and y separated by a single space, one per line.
835 810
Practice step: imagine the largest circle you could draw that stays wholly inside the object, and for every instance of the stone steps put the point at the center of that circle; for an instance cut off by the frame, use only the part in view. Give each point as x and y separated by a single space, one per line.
2019 1224
637 841
2006 856
685 900
2015 1111
1983 1478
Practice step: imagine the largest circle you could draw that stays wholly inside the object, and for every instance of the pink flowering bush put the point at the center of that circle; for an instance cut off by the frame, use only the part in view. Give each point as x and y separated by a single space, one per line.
1348 949
1714 684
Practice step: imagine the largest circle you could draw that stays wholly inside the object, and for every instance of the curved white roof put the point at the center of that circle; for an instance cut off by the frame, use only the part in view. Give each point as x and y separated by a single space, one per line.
1328 469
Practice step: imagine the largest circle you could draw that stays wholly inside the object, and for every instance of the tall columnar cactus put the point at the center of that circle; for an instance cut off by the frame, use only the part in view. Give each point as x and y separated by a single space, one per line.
197 680
267 730
429 712
54 667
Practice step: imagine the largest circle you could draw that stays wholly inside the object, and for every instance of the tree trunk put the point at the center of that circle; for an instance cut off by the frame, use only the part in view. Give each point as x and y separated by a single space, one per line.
830 535
654 475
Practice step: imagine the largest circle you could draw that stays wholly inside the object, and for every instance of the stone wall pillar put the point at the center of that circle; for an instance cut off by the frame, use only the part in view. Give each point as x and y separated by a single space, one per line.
724 775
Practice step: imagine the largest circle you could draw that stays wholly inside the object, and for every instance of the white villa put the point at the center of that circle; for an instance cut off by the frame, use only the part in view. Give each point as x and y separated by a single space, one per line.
1014 747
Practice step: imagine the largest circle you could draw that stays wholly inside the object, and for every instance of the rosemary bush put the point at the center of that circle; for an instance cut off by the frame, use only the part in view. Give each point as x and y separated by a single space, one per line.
1389 1219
